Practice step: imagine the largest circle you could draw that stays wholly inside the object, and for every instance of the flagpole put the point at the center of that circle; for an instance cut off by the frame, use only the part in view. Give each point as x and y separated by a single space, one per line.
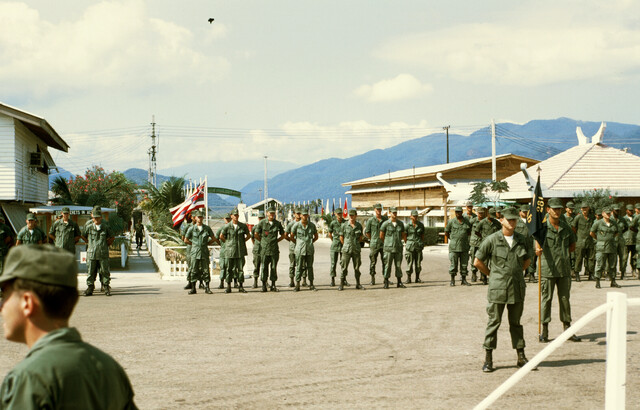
539 282
206 199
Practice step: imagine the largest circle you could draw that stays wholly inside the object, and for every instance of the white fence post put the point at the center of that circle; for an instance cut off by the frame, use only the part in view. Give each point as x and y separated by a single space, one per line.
616 373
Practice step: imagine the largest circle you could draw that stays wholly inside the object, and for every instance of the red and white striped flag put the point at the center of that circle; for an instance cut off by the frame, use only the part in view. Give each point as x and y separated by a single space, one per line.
193 202
345 211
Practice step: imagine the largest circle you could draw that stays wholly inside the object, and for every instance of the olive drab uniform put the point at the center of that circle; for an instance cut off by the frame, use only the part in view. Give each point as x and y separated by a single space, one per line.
224 268
629 238
335 229
184 228
351 250
292 253
63 372
413 249
569 219
255 253
635 224
392 247
585 247
474 243
606 248
269 233
459 233
235 250
200 236
139 229
484 228
556 270
65 234
27 237
523 229
376 247
623 227
98 252
506 286
304 249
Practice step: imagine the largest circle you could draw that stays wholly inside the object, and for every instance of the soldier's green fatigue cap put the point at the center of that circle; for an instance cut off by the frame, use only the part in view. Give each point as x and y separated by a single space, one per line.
510 213
414 213
584 205
260 214
468 203
570 204
525 207
42 263
377 206
31 217
615 207
606 209
637 205
305 211
227 216
393 209
235 211
482 208
499 209
352 212
492 211
65 210
598 211
630 207
458 209
338 211
270 209
555 203
96 213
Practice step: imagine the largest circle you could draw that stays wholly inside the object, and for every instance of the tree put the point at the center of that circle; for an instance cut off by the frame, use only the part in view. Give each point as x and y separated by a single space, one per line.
485 192
596 198
158 201
60 189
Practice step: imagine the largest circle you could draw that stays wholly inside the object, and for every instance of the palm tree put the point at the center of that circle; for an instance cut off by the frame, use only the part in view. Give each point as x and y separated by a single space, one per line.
61 191
162 199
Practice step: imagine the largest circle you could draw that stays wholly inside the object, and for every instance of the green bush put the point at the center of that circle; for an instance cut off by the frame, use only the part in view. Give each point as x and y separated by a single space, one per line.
432 235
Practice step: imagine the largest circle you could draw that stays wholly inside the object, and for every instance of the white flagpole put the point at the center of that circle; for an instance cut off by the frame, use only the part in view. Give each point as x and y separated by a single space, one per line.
206 199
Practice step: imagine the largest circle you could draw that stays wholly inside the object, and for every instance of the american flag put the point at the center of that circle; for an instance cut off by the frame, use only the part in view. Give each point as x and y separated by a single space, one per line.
193 202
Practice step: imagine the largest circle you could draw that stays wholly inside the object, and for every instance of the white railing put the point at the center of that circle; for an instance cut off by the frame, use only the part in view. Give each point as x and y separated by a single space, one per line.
616 370
170 267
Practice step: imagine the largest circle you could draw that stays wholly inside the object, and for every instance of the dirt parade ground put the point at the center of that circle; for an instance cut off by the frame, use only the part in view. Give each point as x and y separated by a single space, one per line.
419 347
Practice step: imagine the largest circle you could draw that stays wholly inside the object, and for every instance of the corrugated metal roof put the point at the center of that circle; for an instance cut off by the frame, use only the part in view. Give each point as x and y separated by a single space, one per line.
583 167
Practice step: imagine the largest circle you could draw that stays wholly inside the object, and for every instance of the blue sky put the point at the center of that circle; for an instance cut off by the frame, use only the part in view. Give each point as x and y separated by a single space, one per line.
304 80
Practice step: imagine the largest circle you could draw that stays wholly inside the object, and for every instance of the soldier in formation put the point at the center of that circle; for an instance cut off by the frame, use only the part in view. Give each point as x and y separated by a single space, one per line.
605 232
475 240
635 227
292 249
235 234
30 234
484 229
224 268
98 237
376 246
65 233
304 234
629 237
336 245
523 229
255 252
269 232
200 237
414 246
623 227
392 234
585 247
351 235
458 232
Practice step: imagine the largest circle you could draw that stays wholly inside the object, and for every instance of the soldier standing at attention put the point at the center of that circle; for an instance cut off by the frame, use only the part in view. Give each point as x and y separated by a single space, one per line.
372 231
523 229
414 246
30 234
486 227
65 233
184 228
39 292
629 241
605 232
235 235
269 231
585 251
475 240
304 234
556 267
392 233
224 268
98 237
200 237
472 217
635 227
458 232
336 245
504 256
569 216
6 239
256 251
623 227
351 234
598 214
292 249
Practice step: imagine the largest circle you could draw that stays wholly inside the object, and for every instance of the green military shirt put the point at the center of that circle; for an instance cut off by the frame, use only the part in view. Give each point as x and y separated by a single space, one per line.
582 228
471 218
200 239
392 235
256 242
635 224
304 238
523 229
372 227
415 236
269 234
606 241
629 236
623 227
292 246
65 234
222 244
506 280
97 241
569 218
235 240
351 236
335 231
62 372
555 252
459 233
27 237
5 232
487 227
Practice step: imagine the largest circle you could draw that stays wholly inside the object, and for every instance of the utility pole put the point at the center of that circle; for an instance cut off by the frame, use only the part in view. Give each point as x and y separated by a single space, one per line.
493 151
447 130
266 191
152 153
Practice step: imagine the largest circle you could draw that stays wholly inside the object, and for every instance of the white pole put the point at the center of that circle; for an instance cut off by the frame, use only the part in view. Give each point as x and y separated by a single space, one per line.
493 151
266 189
206 199
616 373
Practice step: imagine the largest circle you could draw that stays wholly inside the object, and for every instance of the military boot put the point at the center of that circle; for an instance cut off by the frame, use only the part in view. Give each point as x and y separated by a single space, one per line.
358 285
311 287
235 283
333 281
304 281
573 337
487 367
453 280
522 359
274 288
474 277
578 277
207 289
107 290
386 283
341 286
400 284
373 280
408 278
544 337
418 278
346 283
187 286
201 285
597 283
89 290
221 286
291 284
621 275
484 279
613 281
228 289
241 288
264 285
297 288
255 283
464 282
193 289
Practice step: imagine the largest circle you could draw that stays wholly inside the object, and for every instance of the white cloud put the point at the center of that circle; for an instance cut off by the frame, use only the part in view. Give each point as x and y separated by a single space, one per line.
111 44
402 87
529 49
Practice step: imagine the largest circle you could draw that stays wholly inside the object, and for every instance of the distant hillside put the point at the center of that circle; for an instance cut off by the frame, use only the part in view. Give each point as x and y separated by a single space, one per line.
539 139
